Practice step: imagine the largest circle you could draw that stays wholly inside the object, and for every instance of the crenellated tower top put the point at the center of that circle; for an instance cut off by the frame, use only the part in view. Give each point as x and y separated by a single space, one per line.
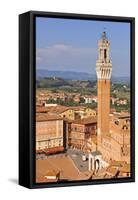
103 64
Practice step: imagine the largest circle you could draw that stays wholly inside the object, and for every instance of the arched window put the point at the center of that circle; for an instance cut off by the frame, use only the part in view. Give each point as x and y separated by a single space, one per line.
105 54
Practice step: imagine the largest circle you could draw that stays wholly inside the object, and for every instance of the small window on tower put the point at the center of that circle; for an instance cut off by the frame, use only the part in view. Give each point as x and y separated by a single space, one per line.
105 56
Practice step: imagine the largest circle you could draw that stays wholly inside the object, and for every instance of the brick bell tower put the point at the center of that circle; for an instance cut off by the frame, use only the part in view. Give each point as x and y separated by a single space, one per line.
103 71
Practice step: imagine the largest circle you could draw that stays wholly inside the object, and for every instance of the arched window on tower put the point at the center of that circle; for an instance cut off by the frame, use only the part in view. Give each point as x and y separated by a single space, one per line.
105 54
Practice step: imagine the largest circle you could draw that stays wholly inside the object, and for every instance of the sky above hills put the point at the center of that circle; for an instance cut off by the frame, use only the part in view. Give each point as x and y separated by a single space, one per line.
72 45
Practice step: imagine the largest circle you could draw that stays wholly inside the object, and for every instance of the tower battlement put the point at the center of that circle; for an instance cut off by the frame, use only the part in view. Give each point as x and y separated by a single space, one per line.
103 64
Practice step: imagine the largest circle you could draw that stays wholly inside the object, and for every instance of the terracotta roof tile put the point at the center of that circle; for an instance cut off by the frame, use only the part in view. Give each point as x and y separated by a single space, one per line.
52 173
84 121
125 168
41 109
47 117
111 170
118 163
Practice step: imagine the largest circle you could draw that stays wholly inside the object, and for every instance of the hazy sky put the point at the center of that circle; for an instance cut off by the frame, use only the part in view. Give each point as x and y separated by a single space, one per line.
72 45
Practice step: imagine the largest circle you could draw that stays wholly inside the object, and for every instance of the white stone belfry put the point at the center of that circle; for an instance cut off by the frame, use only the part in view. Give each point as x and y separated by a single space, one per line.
103 64
95 161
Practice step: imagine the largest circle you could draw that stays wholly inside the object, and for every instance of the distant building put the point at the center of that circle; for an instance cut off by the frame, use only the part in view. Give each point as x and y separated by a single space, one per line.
113 100
90 99
76 99
122 102
50 104
94 98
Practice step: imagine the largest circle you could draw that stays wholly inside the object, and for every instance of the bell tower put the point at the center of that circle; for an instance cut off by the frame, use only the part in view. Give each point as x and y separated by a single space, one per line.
103 71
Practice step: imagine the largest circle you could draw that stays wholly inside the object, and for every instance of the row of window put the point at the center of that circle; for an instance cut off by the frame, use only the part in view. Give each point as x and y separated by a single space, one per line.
87 129
50 143
47 131
46 138
107 145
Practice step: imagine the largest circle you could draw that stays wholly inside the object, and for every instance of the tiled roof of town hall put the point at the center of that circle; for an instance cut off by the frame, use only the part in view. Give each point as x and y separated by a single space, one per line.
47 117
84 121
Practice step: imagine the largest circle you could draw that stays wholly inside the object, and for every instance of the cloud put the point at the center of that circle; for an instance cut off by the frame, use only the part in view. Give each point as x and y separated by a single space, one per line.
66 57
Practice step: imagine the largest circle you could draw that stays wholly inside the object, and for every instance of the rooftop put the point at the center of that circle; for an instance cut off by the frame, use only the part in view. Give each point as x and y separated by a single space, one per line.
117 163
68 170
52 173
125 168
85 121
41 109
47 117
58 109
112 171
96 153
